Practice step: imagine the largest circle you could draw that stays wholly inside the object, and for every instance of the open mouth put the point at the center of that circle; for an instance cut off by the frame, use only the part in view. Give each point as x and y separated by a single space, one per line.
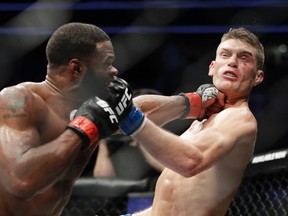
230 74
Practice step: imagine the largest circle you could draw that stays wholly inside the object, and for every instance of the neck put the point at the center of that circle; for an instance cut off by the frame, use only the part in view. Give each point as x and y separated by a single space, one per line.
235 102
70 96
52 86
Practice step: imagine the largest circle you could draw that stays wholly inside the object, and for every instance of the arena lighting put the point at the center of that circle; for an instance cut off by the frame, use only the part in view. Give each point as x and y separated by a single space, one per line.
283 48
149 30
36 23
124 5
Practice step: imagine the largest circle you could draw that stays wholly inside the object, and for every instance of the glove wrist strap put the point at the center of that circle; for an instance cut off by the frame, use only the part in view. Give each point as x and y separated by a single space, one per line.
85 128
132 122
193 105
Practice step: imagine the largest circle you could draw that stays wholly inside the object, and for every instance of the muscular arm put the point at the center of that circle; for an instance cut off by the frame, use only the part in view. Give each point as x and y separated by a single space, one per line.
161 109
151 160
195 153
28 166
232 128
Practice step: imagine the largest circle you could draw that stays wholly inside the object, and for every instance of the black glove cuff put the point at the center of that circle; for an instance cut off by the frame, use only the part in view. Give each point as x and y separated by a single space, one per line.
81 134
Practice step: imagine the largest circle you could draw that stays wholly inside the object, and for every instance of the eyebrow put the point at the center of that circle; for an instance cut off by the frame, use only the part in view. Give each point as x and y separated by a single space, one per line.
247 52
240 51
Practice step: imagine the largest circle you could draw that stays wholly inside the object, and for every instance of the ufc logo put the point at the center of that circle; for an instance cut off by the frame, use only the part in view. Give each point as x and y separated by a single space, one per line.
125 100
108 109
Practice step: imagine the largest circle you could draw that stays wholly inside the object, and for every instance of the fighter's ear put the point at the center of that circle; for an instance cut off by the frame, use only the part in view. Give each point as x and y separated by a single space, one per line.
77 67
211 68
259 77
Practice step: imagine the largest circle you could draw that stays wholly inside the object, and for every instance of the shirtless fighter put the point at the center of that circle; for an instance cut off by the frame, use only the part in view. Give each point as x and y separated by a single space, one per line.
205 165
44 149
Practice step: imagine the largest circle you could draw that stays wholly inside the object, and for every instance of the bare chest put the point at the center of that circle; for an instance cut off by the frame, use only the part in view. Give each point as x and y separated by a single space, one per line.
195 128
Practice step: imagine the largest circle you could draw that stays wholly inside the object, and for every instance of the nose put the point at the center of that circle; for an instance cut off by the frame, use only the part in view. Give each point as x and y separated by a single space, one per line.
114 71
233 61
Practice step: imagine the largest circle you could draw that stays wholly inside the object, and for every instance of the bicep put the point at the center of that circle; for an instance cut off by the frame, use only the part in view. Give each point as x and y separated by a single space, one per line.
16 142
226 133
18 131
17 136
13 145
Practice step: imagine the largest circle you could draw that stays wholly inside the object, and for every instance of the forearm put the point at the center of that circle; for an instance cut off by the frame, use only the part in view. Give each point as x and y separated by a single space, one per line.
169 149
152 161
42 166
161 109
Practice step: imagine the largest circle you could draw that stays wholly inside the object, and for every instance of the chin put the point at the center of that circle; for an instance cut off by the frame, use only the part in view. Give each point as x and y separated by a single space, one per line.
222 87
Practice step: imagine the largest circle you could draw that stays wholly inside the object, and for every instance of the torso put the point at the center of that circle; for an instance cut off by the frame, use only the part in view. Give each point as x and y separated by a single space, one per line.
52 200
208 193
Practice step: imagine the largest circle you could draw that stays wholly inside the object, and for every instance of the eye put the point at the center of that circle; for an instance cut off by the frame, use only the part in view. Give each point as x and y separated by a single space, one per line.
244 58
224 54
108 65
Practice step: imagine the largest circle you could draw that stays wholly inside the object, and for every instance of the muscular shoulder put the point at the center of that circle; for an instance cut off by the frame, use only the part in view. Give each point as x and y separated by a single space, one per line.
237 121
241 114
20 101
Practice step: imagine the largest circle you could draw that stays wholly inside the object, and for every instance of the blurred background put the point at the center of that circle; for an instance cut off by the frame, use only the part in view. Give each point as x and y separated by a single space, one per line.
164 45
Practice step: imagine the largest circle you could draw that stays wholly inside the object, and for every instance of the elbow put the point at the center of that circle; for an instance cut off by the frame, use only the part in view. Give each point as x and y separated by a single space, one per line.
191 166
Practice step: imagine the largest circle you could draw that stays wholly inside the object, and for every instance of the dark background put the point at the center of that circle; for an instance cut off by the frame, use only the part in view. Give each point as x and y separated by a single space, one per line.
165 45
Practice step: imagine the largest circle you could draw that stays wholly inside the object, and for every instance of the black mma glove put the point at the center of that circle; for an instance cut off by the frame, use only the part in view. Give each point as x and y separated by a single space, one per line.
94 120
196 102
120 99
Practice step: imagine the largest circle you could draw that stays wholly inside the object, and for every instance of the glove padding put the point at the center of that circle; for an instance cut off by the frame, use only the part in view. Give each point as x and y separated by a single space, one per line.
93 120
120 99
197 102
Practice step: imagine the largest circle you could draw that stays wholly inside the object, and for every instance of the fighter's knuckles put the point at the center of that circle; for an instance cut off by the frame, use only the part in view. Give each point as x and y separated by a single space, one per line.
208 102
209 93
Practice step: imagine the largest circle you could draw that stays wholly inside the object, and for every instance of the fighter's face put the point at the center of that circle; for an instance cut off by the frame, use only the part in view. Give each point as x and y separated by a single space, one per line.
234 70
100 70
